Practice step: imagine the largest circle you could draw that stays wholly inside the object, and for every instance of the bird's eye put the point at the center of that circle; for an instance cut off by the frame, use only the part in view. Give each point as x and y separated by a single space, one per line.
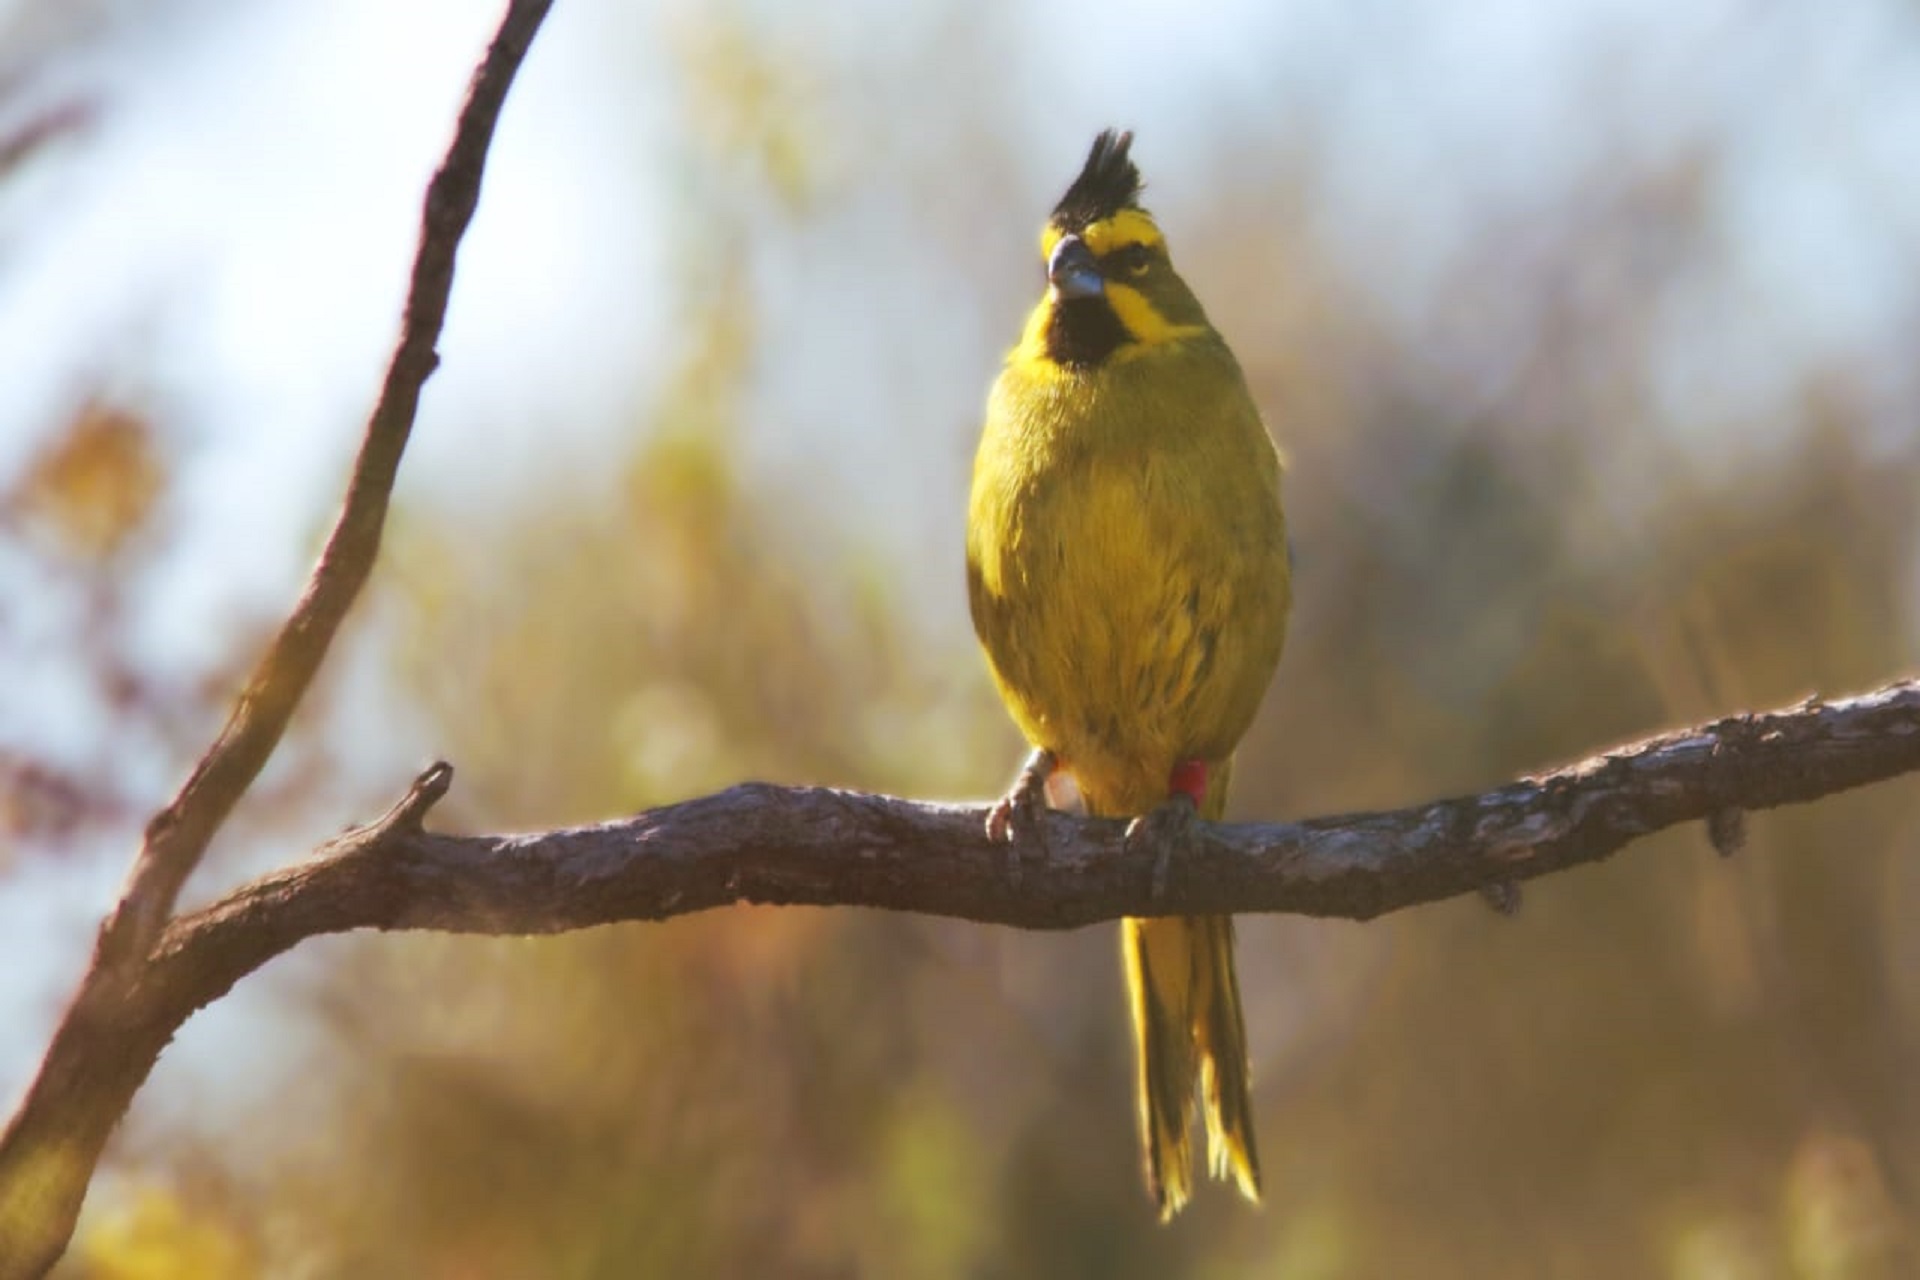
1134 259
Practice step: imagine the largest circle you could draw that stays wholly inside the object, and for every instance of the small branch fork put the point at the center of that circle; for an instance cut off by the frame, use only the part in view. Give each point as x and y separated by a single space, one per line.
113 1030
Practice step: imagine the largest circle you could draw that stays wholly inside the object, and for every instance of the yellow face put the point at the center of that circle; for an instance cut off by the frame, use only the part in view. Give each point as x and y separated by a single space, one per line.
1125 228
1139 289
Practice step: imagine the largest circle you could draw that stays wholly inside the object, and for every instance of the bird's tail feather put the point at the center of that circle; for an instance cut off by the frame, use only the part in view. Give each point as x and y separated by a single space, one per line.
1189 1030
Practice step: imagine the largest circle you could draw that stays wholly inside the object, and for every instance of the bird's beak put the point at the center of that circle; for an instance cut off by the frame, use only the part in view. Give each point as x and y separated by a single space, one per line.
1072 270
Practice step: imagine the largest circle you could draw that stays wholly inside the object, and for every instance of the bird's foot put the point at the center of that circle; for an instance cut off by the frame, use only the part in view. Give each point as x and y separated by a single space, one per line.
1169 828
1165 831
1014 819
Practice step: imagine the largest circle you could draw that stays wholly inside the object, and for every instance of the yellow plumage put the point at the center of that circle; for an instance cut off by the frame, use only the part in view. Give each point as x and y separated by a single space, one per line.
1127 571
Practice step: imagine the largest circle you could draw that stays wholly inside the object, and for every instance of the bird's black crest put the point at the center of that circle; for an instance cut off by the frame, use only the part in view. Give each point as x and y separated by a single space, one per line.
1108 183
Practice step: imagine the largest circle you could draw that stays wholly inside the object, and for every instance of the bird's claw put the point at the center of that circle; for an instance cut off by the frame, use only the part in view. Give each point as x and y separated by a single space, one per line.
1168 829
1016 815
1014 819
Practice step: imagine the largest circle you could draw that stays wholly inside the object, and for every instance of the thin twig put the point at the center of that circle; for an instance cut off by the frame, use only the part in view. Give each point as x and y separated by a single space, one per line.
178 836
112 1032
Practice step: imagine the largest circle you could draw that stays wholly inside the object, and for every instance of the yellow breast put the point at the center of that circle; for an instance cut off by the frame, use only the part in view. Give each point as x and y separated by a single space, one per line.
1127 563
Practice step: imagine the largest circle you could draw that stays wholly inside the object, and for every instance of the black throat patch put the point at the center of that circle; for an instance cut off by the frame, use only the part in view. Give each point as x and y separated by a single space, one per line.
1083 332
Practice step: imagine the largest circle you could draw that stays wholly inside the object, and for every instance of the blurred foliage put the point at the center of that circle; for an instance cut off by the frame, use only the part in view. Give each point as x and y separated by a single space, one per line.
1673 1065
751 104
94 488
84 507
154 1236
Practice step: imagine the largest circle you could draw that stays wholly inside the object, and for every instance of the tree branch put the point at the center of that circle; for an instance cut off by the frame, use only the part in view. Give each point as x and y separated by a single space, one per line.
111 1035
820 847
815 846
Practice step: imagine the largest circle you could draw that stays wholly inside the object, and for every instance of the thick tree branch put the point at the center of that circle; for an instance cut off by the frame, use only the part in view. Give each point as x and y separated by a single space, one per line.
112 1033
820 847
814 846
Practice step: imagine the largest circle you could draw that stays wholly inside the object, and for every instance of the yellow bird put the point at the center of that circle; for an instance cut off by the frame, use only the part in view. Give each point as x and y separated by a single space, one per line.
1127 572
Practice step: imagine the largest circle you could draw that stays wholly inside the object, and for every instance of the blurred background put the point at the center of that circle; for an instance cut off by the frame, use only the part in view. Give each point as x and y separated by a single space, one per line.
1588 328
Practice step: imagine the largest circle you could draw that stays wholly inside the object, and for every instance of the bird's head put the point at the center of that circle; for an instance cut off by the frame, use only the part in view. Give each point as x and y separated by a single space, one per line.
1112 292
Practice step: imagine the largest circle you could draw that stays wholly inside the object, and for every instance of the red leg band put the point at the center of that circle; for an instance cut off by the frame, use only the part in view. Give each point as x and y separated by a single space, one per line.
1189 779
